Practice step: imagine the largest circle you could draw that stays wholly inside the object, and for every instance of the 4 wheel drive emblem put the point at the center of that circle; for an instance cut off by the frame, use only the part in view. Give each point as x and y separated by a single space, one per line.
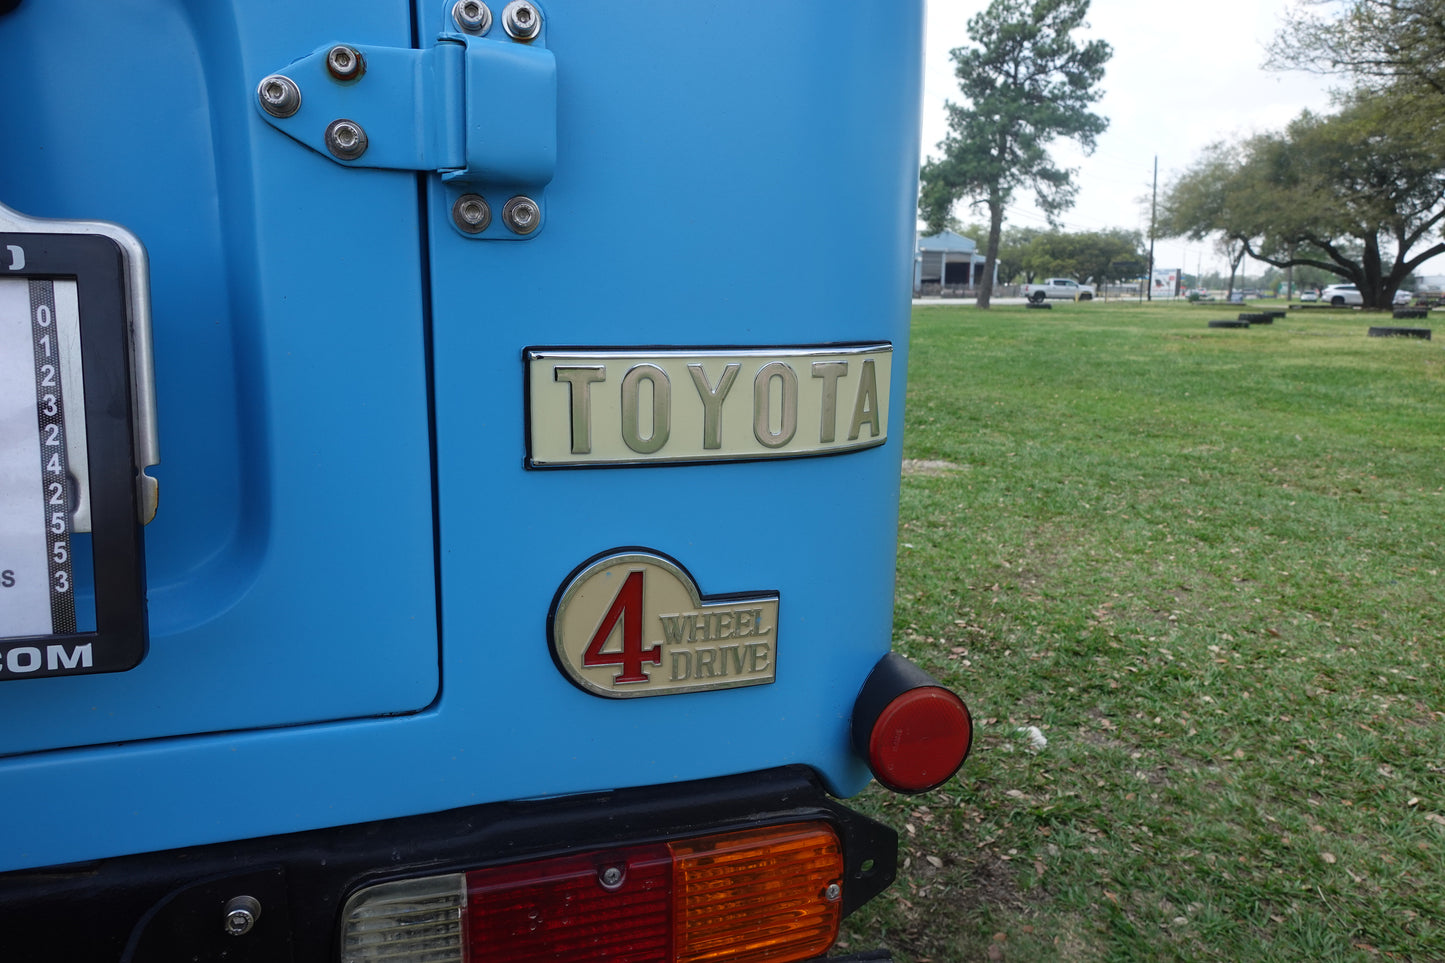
632 622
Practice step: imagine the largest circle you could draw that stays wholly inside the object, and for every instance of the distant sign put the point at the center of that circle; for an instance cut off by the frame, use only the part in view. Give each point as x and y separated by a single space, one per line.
1165 283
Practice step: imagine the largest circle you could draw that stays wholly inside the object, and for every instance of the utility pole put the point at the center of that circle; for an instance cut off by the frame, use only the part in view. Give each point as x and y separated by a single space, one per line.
1153 210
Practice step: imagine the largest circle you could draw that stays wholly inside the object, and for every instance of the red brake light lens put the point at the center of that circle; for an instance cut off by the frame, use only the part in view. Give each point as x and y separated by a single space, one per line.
612 906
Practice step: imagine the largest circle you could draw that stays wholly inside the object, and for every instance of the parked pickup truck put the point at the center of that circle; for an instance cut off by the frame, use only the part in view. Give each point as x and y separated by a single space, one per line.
1052 288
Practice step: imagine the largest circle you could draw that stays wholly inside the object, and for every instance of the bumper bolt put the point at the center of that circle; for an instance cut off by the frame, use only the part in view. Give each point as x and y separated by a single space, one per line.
241 914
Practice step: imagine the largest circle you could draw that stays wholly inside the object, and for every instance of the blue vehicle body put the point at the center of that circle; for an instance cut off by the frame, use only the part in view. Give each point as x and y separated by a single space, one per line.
350 574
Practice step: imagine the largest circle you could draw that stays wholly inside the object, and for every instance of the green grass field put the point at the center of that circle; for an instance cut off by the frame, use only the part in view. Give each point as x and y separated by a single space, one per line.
1206 564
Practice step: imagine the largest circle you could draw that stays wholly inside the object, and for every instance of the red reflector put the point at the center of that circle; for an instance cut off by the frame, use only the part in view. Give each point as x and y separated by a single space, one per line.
612 906
919 739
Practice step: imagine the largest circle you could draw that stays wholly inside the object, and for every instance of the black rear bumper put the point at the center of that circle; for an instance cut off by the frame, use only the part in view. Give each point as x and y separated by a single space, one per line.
170 905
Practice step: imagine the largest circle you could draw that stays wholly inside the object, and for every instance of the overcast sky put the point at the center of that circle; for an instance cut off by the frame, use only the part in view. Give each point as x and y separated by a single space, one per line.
1182 76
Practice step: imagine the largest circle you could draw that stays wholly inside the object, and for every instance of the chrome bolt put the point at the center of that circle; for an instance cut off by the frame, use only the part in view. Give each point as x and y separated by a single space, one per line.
521 20
611 877
521 215
242 912
471 213
346 139
345 63
833 891
279 95
472 16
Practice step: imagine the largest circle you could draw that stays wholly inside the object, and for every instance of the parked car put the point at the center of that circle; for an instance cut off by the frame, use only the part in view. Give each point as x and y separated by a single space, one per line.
1341 295
1309 296
1054 288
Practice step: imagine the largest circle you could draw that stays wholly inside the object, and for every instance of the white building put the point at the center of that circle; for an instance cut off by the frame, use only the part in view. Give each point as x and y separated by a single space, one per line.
947 260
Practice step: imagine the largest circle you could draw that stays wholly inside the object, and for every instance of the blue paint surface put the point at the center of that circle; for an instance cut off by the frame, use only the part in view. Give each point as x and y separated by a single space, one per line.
340 377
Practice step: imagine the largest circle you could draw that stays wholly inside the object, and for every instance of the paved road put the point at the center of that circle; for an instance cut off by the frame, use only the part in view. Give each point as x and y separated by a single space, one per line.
956 301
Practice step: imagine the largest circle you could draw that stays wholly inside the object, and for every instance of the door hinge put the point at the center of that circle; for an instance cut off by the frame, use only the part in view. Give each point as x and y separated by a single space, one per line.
478 108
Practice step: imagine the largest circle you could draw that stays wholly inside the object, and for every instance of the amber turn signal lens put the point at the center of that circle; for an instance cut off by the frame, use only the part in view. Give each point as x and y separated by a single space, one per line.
757 896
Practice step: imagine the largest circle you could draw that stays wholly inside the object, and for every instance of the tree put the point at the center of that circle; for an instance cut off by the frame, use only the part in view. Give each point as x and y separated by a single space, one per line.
1014 247
1215 198
1233 249
1354 193
1098 256
1027 83
936 211
1398 44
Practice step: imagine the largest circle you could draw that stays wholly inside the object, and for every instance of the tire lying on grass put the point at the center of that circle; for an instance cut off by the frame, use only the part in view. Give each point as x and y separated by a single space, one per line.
1039 304
1257 318
1400 313
1400 333
1229 324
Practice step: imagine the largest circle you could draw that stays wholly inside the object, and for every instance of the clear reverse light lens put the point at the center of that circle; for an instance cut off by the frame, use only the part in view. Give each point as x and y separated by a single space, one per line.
411 920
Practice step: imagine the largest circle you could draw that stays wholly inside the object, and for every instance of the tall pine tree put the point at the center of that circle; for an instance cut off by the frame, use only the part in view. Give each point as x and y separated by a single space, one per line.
1026 83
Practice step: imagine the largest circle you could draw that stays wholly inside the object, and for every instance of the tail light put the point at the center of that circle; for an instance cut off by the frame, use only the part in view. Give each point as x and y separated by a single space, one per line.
771 895
913 732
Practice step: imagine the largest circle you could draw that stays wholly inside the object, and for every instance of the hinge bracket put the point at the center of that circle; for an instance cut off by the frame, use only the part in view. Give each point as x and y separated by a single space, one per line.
479 111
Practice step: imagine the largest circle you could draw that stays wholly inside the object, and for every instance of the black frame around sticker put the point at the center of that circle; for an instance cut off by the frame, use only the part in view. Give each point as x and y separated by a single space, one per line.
96 264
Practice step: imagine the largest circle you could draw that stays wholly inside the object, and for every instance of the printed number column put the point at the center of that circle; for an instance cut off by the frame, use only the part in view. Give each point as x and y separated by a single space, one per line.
54 465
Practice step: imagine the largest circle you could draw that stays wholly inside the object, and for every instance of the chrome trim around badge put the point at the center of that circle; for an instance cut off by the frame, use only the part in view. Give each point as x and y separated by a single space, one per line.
632 623
638 406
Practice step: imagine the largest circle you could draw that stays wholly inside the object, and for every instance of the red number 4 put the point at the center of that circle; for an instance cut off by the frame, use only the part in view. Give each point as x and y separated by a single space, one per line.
627 606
